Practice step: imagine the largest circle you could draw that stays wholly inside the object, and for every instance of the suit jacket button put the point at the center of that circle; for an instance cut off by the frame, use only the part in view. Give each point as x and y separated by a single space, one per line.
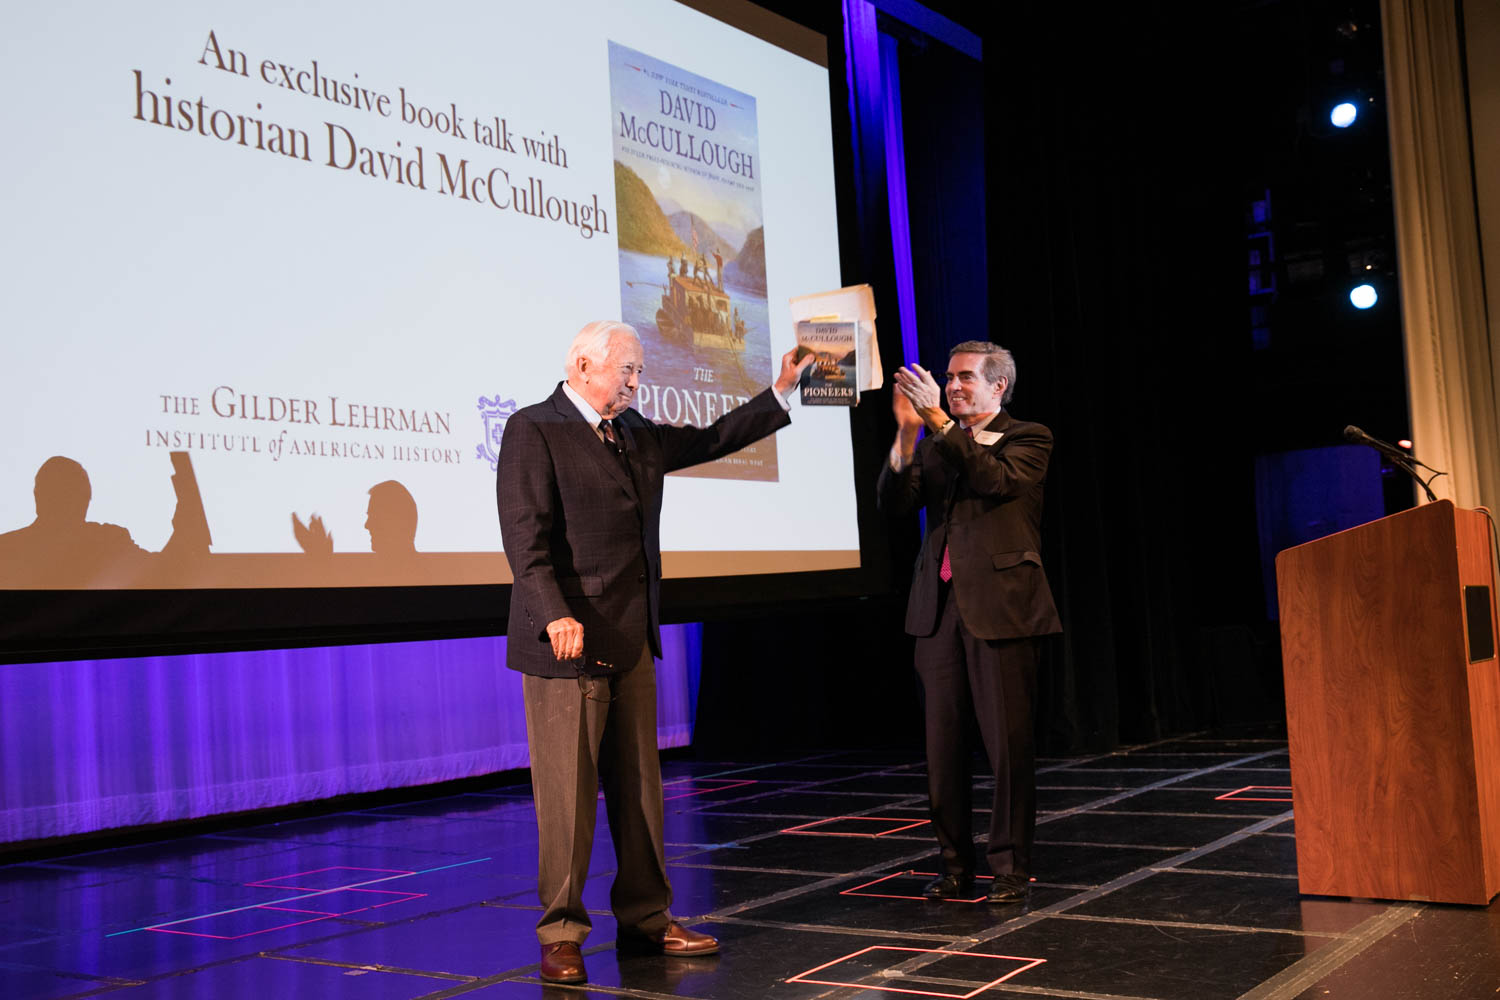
640 578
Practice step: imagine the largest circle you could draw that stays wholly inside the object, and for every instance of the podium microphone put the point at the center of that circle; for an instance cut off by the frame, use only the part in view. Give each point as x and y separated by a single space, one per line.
1354 435
1401 459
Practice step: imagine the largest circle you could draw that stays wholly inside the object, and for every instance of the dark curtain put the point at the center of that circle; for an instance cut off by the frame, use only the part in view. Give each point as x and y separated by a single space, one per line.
1088 171
1118 276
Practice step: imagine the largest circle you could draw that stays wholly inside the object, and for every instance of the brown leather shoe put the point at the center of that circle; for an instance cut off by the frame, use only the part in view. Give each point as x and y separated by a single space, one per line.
562 962
675 940
678 940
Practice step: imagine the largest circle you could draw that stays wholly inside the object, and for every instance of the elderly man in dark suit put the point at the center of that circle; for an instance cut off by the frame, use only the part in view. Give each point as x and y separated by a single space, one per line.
979 600
580 492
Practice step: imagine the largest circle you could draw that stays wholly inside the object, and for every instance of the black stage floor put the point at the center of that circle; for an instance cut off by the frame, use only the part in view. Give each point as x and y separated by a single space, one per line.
1166 871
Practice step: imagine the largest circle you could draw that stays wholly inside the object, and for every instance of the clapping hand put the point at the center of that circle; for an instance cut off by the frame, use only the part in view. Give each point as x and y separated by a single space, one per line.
312 537
917 385
908 420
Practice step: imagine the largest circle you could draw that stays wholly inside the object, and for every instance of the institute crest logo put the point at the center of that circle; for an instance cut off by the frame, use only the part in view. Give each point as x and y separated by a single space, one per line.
495 414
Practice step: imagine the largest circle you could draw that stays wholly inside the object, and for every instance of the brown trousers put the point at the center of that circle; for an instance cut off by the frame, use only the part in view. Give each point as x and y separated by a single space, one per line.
579 734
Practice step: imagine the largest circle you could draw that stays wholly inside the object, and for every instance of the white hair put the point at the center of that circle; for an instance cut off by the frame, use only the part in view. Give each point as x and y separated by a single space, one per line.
592 342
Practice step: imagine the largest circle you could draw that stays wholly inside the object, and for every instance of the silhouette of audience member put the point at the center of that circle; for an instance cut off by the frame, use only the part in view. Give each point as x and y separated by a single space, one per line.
62 548
390 518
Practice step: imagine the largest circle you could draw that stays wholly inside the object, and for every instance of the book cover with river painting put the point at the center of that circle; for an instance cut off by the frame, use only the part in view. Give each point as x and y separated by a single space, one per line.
692 249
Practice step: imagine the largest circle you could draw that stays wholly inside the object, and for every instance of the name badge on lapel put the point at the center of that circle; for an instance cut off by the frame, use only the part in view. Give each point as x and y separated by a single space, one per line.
988 438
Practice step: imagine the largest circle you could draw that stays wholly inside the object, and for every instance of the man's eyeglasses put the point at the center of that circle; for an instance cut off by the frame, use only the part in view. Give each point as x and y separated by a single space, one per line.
591 686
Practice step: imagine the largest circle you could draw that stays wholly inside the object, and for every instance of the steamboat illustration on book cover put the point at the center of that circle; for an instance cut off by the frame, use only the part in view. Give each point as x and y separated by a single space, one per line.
692 249
833 378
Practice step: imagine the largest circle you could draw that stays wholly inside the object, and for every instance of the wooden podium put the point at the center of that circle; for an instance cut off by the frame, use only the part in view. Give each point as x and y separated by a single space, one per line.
1393 708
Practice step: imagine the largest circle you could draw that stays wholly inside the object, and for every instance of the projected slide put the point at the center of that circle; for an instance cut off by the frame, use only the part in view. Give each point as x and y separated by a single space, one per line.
275 276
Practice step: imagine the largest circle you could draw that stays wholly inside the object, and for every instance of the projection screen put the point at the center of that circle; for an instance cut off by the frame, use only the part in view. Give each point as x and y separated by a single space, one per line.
276 274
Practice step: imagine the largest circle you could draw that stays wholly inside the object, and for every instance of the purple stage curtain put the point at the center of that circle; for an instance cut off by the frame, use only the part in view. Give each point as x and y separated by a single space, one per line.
91 745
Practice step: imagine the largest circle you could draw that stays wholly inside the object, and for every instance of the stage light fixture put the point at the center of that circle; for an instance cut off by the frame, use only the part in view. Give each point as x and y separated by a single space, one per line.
1363 296
1343 115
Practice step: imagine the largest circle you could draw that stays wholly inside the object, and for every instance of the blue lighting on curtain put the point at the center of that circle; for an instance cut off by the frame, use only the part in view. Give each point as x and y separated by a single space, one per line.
873 74
101 744
934 25
1307 494
862 79
895 182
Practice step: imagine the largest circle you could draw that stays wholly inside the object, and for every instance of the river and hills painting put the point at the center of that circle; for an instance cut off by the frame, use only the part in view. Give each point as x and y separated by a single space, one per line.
692 249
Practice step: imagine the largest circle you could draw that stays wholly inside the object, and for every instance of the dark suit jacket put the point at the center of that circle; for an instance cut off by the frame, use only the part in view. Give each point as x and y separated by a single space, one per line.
582 533
985 504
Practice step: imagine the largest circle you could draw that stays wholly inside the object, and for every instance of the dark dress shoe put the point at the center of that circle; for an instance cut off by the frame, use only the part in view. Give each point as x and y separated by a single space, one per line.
950 887
562 962
1011 888
675 940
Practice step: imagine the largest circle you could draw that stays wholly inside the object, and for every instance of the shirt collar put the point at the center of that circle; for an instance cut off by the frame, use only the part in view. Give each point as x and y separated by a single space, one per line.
981 425
590 415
